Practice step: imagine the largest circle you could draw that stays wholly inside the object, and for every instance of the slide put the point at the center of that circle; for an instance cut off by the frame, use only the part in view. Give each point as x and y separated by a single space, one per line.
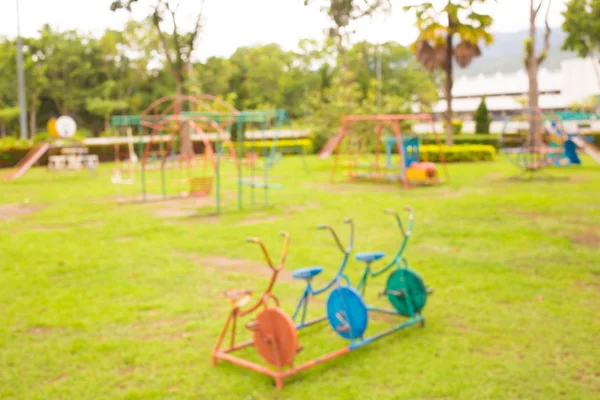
28 161
571 152
330 146
589 148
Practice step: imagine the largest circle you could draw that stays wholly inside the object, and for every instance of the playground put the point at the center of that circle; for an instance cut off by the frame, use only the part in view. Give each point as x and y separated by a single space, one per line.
109 299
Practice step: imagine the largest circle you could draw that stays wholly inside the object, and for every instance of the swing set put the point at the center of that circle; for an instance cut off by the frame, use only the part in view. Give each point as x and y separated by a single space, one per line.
169 131
354 153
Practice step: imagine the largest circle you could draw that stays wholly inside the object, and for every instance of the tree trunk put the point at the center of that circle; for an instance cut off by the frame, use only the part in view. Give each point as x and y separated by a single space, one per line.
3 128
449 85
186 145
33 115
107 123
535 122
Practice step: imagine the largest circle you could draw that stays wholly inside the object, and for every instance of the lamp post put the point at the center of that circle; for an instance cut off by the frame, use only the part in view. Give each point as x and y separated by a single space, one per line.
21 82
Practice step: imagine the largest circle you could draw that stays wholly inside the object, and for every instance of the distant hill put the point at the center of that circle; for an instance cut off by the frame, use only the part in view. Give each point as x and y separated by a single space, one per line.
507 52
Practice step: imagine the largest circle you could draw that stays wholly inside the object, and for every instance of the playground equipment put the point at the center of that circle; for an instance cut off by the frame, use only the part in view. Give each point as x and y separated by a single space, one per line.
75 158
404 288
61 132
307 274
535 154
275 336
411 168
173 124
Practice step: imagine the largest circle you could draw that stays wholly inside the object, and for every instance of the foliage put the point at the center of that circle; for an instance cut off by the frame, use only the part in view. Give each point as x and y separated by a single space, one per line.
435 47
459 153
89 77
482 118
589 104
581 25
9 113
283 145
457 126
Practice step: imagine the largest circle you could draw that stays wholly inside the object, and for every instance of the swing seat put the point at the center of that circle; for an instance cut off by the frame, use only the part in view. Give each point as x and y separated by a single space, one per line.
370 256
200 187
306 273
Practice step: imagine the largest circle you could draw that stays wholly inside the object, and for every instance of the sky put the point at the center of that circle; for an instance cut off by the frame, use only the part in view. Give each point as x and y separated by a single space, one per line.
229 24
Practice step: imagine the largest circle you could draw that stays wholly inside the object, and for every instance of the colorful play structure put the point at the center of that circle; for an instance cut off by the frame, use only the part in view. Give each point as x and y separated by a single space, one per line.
359 153
558 147
73 155
171 166
275 335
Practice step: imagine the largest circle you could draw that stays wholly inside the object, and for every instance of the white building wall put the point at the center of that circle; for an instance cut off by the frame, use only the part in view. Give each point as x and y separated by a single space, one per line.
575 81
580 79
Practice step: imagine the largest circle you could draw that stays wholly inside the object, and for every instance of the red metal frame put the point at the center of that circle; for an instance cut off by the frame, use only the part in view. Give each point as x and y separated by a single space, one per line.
392 120
225 353
155 119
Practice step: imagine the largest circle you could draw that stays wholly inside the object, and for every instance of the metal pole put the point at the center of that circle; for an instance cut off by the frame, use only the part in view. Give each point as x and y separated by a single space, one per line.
379 80
21 83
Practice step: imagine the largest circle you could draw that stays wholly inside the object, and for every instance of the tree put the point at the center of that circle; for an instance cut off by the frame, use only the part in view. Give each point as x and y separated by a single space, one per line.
435 46
105 108
583 29
532 63
342 13
7 115
177 45
482 118
36 80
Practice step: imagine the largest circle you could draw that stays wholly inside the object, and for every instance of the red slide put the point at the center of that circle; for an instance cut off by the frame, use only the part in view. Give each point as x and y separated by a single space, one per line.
330 146
28 161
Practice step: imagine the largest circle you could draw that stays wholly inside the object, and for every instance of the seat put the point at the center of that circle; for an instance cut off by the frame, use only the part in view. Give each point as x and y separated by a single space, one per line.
369 256
237 297
306 273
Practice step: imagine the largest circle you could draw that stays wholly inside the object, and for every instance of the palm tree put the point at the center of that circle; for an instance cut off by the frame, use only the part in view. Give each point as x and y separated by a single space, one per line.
438 31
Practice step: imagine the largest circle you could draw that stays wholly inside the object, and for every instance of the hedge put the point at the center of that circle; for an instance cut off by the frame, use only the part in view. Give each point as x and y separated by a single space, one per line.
283 145
12 151
459 153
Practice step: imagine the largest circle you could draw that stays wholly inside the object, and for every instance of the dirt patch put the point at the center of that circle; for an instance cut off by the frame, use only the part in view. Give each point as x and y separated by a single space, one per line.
235 265
60 379
487 352
39 330
182 208
12 211
589 239
585 285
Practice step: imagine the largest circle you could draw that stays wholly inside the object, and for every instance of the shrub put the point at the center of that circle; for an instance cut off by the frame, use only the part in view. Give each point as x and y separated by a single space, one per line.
482 118
457 126
459 153
283 145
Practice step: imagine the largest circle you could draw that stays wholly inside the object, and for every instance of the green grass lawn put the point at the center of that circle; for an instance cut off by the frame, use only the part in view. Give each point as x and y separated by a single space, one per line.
102 300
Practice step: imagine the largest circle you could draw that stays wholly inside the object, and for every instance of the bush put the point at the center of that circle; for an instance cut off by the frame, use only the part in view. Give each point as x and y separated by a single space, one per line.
457 126
459 153
490 140
482 118
283 145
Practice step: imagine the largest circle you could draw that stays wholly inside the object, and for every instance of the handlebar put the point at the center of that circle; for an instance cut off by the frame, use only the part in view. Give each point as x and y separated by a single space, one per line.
337 239
284 252
411 218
